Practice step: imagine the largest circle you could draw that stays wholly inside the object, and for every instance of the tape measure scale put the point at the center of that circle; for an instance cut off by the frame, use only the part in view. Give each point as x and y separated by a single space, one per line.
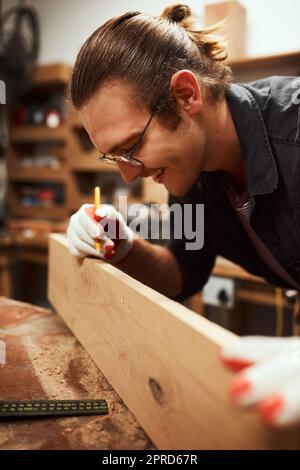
11 408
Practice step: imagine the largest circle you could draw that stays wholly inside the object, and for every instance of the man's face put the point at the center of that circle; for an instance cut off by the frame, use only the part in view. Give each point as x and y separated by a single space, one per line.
174 158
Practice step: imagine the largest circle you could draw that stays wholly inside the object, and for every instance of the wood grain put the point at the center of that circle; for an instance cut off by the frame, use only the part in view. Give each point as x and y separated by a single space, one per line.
161 358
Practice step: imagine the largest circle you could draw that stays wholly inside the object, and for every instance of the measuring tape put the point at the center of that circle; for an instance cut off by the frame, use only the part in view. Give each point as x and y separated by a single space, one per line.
52 408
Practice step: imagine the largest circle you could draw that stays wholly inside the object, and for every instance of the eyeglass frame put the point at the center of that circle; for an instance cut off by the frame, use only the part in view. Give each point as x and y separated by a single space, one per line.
128 157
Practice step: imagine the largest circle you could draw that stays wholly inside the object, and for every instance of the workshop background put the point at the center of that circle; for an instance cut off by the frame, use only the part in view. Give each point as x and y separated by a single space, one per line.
48 167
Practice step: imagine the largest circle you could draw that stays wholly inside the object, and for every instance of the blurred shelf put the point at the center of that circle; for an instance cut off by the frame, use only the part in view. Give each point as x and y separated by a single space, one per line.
38 133
225 268
18 225
254 296
91 164
258 61
52 73
36 240
33 232
74 118
53 213
247 69
69 143
38 175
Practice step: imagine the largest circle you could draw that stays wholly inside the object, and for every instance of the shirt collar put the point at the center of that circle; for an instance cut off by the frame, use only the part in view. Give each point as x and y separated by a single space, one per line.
260 166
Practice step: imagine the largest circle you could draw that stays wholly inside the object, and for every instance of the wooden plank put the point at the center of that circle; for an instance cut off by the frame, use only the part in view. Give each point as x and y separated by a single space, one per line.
161 358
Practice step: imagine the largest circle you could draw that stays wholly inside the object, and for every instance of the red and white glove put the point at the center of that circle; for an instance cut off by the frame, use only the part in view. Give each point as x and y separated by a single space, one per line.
269 377
106 225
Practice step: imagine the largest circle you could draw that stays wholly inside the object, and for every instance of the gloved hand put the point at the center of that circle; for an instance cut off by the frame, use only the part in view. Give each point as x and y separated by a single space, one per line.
105 224
270 376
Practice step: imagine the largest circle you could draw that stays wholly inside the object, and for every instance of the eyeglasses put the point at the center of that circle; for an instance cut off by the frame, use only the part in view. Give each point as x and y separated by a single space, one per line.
127 157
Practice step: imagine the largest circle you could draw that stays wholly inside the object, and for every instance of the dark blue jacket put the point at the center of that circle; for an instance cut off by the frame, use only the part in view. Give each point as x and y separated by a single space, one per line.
266 114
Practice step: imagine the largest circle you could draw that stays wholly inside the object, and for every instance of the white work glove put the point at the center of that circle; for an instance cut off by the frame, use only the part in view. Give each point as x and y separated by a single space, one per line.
270 376
106 225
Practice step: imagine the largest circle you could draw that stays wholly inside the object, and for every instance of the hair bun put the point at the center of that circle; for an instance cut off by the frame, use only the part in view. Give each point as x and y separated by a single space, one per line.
177 13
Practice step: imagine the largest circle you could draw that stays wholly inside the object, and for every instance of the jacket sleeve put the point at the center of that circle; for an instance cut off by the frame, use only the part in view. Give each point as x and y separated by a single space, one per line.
195 265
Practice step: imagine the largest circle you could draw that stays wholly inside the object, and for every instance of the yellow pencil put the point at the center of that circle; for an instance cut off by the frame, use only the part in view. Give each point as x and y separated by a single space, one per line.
97 198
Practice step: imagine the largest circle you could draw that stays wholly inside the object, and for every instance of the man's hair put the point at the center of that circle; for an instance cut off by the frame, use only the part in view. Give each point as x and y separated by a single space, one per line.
145 51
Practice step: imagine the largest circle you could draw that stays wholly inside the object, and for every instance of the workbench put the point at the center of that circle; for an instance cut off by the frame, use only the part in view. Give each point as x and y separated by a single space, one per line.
45 361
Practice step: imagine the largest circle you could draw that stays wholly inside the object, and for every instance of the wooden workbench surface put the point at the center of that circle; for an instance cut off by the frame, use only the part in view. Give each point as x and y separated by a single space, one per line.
45 361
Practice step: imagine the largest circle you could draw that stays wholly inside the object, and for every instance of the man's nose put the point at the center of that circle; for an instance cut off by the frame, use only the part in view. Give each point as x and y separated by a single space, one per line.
129 173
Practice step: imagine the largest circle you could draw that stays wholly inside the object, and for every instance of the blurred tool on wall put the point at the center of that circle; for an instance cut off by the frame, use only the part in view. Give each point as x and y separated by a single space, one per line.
19 48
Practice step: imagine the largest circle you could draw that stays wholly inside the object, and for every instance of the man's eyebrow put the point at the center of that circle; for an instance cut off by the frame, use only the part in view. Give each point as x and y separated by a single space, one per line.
123 142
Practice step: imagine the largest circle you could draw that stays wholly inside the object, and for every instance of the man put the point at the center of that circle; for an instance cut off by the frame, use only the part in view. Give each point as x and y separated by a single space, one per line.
156 99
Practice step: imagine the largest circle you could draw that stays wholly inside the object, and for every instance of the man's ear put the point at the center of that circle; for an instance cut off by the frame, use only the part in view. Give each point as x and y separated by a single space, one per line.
186 90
